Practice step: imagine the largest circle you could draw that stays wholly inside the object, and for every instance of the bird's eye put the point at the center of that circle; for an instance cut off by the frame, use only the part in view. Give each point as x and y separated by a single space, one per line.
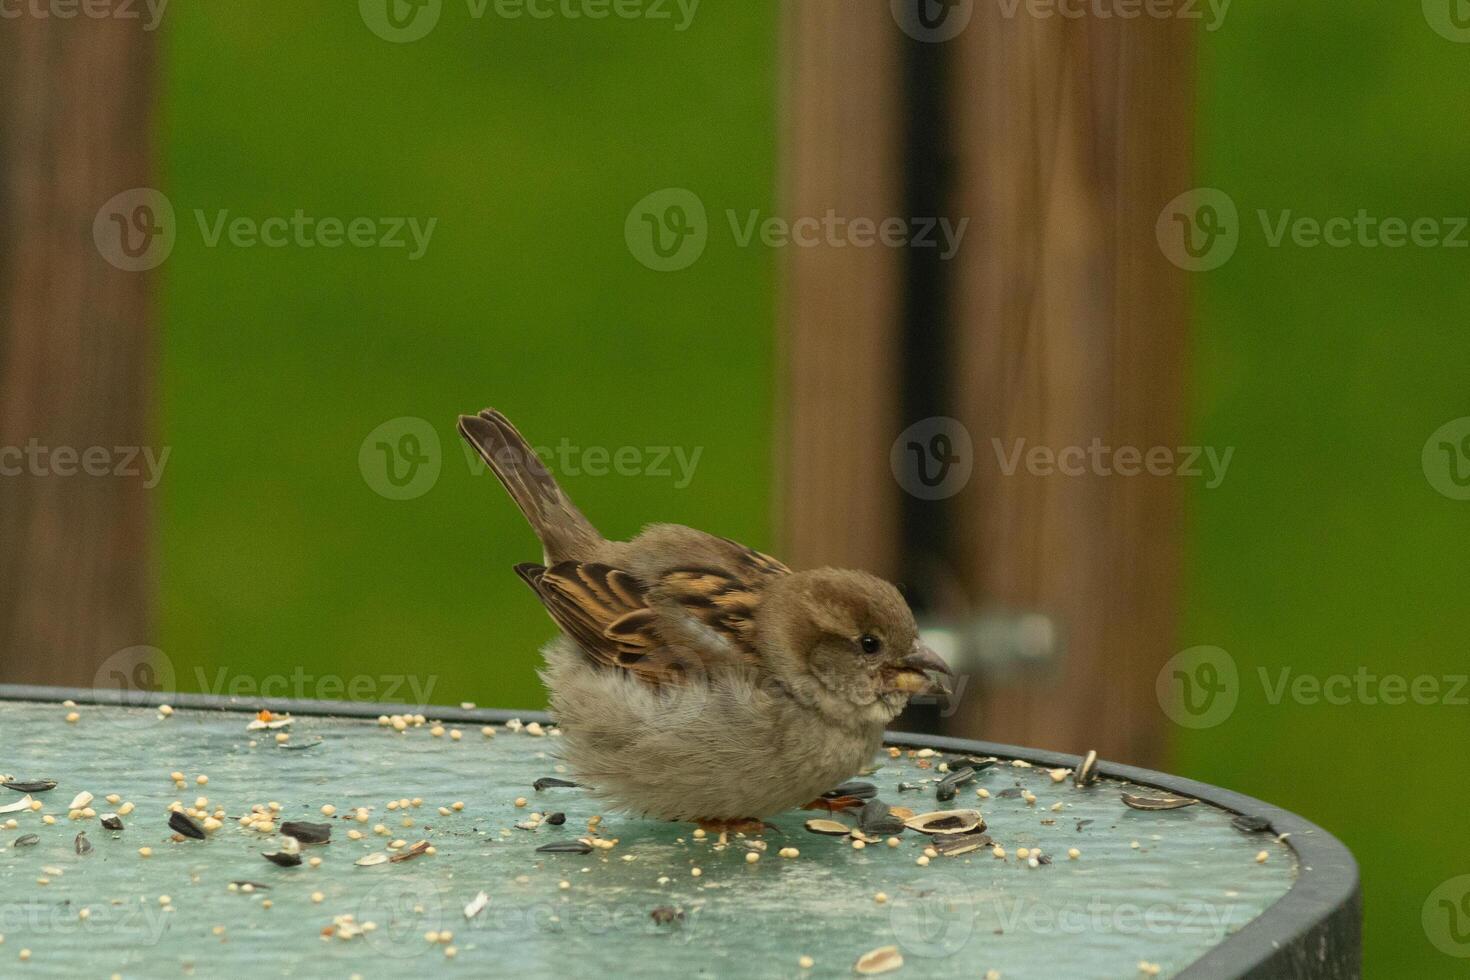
870 643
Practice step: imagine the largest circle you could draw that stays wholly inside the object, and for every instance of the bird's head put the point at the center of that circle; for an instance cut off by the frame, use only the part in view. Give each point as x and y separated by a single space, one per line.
846 642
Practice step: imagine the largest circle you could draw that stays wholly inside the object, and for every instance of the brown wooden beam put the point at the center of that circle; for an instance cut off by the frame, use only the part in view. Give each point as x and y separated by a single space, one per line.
841 323
76 355
1072 136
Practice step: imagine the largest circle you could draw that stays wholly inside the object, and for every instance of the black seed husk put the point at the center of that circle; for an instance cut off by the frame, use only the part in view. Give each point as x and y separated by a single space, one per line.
905 787
307 833
556 819
283 859
299 746
953 845
33 786
859 790
82 845
551 782
112 822
877 819
1248 824
252 884
184 824
1009 793
951 783
26 840
566 847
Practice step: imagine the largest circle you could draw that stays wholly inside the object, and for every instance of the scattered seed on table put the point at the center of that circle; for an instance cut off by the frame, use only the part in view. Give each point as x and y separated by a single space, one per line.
922 861
457 805
1262 857
695 872
789 852
998 851
455 734
165 710
72 717
1073 853
145 852
880 897
520 801
752 856
881 960
806 962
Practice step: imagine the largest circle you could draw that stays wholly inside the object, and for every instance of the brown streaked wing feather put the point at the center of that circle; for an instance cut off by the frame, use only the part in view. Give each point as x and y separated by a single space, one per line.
602 609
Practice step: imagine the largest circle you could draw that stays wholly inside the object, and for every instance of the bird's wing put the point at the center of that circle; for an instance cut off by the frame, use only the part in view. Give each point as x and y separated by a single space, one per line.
689 618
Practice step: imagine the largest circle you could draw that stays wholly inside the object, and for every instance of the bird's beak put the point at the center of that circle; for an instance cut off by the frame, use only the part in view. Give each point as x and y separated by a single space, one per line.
911 674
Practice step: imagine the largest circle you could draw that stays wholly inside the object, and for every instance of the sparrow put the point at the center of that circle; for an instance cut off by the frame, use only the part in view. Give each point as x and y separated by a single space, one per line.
696 679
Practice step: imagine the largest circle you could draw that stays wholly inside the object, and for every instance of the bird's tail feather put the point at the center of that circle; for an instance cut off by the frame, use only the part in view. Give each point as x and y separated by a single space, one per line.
564 532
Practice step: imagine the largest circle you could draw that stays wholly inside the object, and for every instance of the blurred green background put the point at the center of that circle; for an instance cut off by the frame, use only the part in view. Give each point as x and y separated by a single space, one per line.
529 140
1326 548
1327 368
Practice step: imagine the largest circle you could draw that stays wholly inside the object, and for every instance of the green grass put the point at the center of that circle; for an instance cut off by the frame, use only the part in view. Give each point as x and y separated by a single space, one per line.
1326 548
528 141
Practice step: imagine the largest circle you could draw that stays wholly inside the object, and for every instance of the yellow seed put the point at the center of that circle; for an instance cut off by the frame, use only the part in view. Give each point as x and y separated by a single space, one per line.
1073 853
48 819
1023 853
444 811
858 845
880 897
998 851
520 801
164 900
806 962
695 872
354 834
699 833
201 779
72 718
457 805
283 736
317 897
176 776
145 851
113 798
487 731
328 810
892 842
789 852
450 951
752 856
922 861
125 809
1262 857
455 734
165 710
315 862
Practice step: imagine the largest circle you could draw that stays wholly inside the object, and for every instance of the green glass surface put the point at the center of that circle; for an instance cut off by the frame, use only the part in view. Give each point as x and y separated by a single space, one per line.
1161 887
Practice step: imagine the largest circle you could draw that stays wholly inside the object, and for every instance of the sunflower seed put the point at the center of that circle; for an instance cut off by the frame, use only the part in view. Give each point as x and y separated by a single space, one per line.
1157 802
1009 793
856 790
906 787
112 821
830 828
368 860
1086 773
664 914
24 803
881 960
876 817
551 782
950 784
476 905
26 840
184 824
566 847
414 850
81 800
82 845
284 858
953 845
307 833
1247 824
34 786
946 822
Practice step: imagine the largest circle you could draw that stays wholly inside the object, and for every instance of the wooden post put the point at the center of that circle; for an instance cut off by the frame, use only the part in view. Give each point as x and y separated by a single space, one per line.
76 359
841 319
1072 137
